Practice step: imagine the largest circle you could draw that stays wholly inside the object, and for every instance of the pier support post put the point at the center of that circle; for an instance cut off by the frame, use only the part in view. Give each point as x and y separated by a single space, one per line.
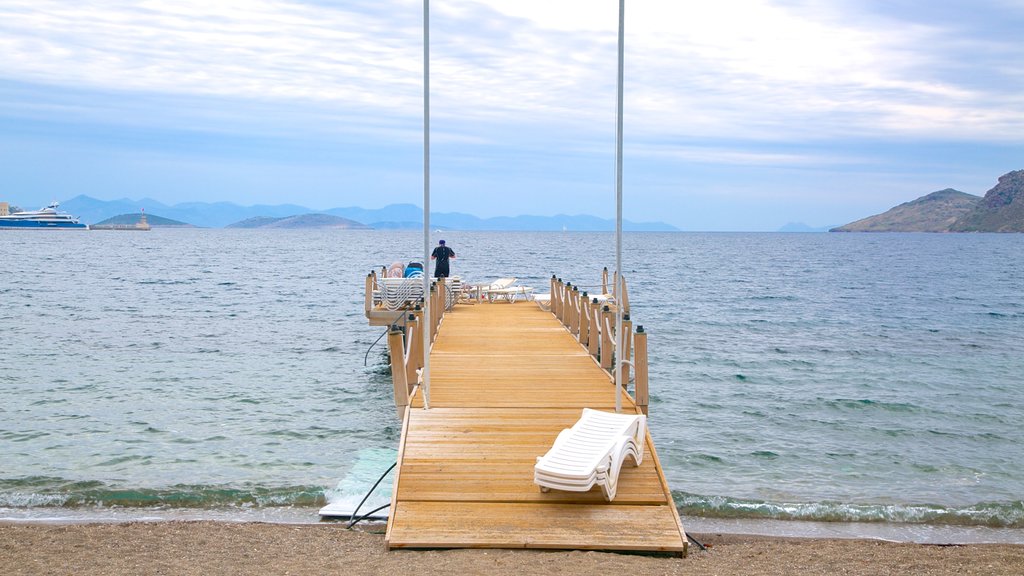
641 394
399 375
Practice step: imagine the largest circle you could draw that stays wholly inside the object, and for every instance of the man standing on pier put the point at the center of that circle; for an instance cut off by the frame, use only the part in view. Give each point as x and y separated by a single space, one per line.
441 254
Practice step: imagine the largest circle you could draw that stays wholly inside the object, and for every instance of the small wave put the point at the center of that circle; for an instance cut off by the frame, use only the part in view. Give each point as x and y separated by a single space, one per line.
62 494
988 514
708 458
864 403
11 436
773 298
124 459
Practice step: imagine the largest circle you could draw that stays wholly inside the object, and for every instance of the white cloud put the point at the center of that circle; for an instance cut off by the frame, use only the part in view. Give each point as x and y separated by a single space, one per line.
787 70
259 49
743 69
734 155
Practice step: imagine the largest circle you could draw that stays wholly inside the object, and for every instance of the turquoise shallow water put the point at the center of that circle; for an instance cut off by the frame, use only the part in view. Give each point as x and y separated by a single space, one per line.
815 377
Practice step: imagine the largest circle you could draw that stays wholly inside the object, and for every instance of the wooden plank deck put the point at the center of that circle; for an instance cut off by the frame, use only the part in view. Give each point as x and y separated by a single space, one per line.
505 379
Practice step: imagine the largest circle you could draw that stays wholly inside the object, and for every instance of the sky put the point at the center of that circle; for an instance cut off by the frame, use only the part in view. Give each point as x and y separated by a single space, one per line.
740 115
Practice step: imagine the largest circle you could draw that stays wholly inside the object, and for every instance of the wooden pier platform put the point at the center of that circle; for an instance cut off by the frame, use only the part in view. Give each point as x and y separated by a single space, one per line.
505 379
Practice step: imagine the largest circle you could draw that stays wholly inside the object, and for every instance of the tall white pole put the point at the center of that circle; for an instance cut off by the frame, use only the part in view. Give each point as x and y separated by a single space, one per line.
618 213
426 205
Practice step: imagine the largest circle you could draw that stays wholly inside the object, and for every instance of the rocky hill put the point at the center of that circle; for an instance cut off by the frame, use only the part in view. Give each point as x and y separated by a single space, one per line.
304 221
935 212
1001 210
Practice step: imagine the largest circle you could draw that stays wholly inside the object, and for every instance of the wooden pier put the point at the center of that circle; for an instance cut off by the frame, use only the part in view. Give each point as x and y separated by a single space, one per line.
505 379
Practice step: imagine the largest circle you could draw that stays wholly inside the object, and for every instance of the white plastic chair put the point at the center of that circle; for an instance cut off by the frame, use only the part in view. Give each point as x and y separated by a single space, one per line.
592 452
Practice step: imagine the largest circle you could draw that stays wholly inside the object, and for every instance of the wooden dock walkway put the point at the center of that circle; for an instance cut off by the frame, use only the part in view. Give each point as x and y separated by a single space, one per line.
505 379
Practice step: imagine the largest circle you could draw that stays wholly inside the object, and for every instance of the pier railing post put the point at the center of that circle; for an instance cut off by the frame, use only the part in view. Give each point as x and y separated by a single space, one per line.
604 280
563 302
606 338
569 308
574 311
436 313
396 347
593 339
415 360
623 300
368 299
552 303
641 393
627 349
556 298
584 333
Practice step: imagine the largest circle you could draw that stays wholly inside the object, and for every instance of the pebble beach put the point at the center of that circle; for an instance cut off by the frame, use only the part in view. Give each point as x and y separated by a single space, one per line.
205 548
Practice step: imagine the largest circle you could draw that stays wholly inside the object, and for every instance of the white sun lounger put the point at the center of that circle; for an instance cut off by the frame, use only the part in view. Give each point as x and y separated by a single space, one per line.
543 300
510 294
592 452
499 284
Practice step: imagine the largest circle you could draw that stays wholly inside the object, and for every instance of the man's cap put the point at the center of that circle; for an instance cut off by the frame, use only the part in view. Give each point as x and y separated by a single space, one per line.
440 241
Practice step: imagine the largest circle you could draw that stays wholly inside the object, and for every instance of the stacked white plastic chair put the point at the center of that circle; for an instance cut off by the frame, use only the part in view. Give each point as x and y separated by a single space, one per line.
453 291
396 293
592 452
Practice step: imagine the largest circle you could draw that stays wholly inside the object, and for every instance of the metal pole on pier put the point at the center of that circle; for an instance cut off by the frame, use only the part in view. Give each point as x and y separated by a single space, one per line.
618 213
426 204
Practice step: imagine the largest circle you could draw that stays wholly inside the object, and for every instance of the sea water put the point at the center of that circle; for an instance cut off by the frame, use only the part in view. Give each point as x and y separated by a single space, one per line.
823 378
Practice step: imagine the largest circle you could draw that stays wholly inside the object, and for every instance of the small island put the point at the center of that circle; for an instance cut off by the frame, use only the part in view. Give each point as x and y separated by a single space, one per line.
139 222
301 221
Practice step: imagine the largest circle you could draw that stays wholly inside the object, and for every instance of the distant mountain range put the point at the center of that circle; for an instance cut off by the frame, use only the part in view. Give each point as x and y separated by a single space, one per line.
394 216
949 210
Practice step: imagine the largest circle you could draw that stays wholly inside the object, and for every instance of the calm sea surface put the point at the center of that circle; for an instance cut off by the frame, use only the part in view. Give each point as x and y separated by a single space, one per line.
815 377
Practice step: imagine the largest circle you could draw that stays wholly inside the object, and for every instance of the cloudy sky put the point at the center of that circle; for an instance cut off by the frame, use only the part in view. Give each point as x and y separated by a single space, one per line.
740 114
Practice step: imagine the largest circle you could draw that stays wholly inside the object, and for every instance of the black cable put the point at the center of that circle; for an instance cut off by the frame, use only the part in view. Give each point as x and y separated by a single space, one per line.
367 515
386 330
694 540
367 355
363 501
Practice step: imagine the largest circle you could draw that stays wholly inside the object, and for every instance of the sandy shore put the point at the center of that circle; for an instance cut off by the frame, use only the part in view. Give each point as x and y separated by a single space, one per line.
183 548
